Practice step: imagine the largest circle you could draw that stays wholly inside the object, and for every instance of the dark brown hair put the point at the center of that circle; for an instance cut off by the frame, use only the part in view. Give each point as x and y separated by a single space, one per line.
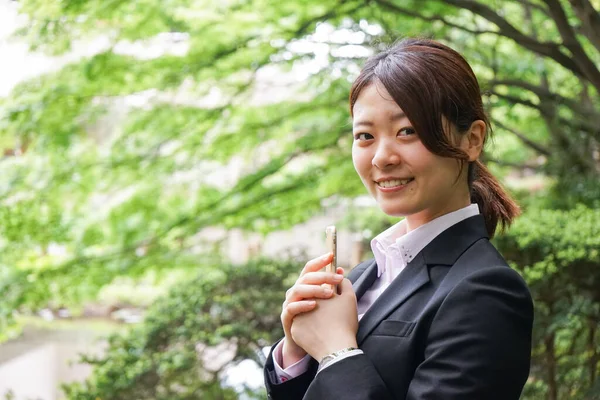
428 81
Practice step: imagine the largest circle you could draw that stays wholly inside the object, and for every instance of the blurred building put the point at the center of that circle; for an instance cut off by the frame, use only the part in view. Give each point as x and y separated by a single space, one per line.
33 366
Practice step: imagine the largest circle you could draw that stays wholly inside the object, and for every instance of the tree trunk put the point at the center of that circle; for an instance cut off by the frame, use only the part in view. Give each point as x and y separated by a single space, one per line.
591 345
551 367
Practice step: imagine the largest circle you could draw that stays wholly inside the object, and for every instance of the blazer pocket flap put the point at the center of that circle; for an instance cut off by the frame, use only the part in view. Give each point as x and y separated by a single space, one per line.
389 327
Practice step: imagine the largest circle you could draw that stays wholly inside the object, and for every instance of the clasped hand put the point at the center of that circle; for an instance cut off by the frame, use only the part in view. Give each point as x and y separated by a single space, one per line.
315 320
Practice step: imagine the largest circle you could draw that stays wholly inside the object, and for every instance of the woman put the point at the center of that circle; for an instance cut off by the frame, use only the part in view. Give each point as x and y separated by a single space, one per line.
442 316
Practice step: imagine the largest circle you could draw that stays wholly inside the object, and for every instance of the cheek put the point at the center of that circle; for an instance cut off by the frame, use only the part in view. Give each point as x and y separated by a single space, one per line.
419 160
423 161
361 161
441 172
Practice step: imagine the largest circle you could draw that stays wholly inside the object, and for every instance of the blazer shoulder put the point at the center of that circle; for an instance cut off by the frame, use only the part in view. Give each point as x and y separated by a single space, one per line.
482 261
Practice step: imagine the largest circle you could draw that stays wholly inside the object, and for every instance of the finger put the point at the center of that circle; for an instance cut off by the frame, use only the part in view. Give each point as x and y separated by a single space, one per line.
339 271
319 278
317 263
299 292
299 307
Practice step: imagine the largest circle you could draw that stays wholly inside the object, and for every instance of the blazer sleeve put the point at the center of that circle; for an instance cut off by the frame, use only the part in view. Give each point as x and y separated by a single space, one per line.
478 347
295 388
479 344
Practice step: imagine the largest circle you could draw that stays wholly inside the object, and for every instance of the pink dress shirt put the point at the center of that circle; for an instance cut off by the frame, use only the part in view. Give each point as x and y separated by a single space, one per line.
393 249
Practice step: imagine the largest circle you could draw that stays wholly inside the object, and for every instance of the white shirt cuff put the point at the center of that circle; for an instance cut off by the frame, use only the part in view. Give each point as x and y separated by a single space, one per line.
294 370
340 358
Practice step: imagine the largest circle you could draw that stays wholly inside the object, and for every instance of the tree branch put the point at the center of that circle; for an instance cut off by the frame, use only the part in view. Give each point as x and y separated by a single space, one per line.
502 163
331 13
548 49
544 93
517 100
401 10
533 6
590 19
528 142
587 66
550 114
546 109
204 216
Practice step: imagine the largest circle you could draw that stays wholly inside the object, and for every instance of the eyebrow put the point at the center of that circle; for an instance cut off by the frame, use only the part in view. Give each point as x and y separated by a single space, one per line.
395 117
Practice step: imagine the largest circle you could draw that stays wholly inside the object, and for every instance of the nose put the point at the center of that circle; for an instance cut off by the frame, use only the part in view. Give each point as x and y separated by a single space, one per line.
386 155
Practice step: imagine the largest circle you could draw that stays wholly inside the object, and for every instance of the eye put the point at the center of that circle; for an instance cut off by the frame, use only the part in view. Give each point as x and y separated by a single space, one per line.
363 136
409 130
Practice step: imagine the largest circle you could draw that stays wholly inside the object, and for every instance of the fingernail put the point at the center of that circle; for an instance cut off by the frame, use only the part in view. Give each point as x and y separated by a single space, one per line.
326 256
327 291
338 277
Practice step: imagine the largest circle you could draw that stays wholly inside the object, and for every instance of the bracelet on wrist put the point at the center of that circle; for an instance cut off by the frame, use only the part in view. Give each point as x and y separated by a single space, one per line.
330 357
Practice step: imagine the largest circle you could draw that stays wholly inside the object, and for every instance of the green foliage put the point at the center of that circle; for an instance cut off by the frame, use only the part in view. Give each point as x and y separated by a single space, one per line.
169 355
558 253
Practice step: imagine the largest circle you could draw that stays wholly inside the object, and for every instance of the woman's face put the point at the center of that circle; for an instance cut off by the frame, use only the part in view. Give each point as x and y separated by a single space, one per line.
403 176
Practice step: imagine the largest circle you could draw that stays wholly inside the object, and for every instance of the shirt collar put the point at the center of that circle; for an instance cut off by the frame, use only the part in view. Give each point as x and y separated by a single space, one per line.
395 241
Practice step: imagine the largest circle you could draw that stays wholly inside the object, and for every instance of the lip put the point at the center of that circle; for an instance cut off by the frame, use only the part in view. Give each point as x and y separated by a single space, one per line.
393 189
391 178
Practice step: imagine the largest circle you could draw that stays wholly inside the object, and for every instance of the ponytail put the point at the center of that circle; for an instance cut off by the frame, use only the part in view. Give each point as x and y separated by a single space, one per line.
495 204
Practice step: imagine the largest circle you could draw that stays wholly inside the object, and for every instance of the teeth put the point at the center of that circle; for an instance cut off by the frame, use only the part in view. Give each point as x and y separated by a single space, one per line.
397 182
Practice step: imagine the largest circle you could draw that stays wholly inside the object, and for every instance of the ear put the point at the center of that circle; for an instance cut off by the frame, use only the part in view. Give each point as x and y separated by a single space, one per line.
472 141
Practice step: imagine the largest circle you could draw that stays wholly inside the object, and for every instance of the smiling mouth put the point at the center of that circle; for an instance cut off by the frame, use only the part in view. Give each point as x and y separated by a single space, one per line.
394 183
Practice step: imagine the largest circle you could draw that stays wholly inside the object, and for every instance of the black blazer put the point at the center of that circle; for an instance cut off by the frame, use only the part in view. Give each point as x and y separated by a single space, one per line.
455 324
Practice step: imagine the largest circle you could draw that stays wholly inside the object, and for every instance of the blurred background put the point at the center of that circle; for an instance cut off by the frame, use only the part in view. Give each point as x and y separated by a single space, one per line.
167 168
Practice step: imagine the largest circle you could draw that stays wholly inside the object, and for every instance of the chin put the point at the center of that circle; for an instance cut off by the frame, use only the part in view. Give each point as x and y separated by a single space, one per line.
394 211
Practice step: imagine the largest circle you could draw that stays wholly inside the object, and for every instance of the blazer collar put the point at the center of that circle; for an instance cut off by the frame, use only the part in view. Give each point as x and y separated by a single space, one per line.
450 244
443 250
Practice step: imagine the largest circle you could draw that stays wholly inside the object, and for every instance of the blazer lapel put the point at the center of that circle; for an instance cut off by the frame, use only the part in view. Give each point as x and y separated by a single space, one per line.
411 279
365 280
